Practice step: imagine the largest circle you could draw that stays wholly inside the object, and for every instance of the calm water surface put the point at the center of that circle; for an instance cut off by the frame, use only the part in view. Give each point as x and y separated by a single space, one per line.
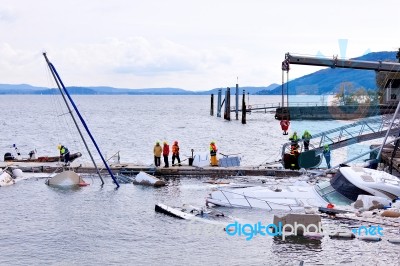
103 226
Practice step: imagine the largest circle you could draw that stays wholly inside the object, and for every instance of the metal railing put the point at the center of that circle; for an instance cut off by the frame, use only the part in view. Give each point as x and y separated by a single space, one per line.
298 204
363 130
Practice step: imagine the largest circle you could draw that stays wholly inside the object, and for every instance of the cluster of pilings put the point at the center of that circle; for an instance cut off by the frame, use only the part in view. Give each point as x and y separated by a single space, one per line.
227 102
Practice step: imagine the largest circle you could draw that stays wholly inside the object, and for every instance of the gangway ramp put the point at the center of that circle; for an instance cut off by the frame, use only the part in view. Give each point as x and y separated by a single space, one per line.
363 130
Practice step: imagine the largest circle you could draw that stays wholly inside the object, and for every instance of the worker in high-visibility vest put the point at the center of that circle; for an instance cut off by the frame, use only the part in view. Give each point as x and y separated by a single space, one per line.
327 155
306 139
175 153
213 154
64 153
294 141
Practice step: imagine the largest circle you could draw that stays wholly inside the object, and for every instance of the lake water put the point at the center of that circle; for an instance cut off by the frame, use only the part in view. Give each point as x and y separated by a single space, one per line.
104 226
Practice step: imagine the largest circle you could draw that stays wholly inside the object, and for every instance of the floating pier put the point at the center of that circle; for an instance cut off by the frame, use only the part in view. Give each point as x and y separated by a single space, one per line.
176 171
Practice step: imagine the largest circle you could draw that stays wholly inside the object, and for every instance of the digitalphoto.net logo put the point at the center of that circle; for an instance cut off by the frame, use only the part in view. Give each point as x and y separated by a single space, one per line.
249 231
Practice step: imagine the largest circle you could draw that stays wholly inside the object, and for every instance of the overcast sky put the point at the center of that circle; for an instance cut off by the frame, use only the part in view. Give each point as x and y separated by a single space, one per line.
188 44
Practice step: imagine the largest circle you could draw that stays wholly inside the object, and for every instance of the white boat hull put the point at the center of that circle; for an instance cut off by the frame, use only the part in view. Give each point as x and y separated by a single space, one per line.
143 178
66 179
6 179
343 189
287 198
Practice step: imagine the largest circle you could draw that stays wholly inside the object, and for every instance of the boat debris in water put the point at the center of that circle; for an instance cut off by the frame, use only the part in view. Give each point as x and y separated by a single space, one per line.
143 178
66 179
342 190
189 212
9 176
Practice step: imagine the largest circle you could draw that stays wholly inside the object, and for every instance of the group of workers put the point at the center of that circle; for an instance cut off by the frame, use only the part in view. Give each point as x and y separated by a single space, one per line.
294 146
164 151
158 151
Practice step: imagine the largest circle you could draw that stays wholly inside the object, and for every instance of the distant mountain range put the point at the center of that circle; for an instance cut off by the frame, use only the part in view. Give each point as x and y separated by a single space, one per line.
324 81
328 80
102 90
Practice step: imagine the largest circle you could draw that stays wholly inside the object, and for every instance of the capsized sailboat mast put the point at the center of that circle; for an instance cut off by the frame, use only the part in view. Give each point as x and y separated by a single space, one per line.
73 118
59 82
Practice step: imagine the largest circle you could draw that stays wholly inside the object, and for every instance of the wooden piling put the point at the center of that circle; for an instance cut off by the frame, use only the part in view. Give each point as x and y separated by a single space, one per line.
244 108
219 104
212 105
227 115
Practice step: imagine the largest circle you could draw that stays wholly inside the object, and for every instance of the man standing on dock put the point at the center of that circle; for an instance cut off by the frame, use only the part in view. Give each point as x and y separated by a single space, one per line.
327 155
294 141
213 154
175 153
306 137
165 152
157 154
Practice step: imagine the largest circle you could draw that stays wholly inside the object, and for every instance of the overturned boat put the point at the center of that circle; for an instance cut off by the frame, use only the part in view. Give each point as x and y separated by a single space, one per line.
66 179
189 212
143 178
343 189
9 176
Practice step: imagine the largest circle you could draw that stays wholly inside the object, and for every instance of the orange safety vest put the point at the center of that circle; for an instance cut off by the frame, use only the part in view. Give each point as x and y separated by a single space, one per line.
175 149
213 149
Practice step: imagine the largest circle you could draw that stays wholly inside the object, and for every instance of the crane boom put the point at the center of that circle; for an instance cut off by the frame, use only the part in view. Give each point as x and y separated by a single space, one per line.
340 63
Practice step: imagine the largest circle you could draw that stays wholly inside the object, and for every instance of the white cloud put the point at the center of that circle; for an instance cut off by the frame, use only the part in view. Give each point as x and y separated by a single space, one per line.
197 45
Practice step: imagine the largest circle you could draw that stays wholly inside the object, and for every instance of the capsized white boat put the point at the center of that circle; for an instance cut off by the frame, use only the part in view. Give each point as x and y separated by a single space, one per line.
66 179
143 178
9 176
189 212
343 189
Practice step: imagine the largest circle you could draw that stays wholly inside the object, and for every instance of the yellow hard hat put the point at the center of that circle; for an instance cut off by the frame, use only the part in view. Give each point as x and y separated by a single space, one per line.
59 147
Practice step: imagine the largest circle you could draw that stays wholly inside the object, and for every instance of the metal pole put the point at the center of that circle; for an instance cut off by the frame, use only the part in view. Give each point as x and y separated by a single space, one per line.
237 101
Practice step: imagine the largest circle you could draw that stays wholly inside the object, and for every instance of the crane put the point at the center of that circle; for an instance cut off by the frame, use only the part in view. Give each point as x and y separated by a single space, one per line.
339 63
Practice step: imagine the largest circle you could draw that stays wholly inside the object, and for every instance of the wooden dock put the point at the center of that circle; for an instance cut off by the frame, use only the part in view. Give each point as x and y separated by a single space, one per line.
176 171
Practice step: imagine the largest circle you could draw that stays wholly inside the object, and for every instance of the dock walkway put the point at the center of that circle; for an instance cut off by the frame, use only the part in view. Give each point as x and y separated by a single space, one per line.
177 171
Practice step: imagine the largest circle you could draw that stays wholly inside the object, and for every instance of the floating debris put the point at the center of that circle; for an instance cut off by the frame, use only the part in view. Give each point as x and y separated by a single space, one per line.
143 178
66 179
